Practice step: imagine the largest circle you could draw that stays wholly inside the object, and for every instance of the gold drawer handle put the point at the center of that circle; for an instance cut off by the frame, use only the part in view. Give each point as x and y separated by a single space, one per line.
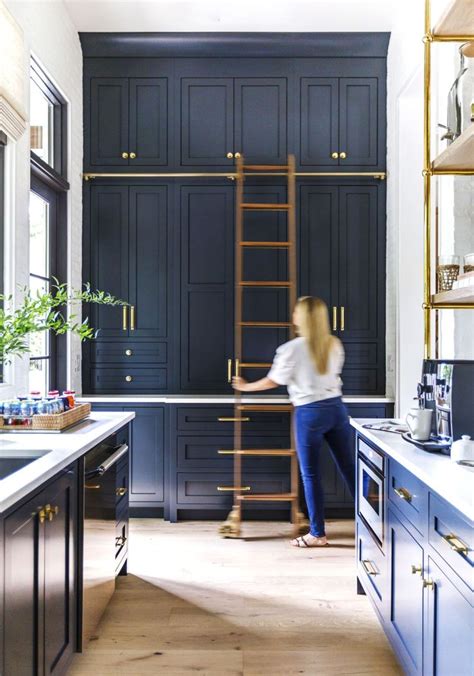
222 451
124 318
343 318
132 317
334 318
233 419
456 544
120 492
93 488
403 494
120 540
233 488
428 584
369 567
229 370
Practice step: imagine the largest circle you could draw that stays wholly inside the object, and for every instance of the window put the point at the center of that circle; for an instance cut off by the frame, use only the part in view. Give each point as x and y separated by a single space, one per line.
3 142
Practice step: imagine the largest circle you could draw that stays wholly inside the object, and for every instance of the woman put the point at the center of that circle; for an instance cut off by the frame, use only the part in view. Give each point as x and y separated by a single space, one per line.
310 367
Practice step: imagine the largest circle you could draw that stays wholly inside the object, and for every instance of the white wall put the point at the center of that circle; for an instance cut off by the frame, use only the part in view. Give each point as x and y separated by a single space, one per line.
52 38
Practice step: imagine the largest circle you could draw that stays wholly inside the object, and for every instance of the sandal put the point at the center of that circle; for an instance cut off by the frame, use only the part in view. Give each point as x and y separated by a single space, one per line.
301 542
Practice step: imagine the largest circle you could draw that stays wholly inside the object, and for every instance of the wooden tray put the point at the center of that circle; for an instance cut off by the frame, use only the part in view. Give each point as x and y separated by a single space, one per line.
54 422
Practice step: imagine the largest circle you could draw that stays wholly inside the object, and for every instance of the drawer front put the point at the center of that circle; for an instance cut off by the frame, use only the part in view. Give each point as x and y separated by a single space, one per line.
409 495
452 536
220 419
357 380
128 352
122 483
121 540
201 488
122 379
371 565
201 452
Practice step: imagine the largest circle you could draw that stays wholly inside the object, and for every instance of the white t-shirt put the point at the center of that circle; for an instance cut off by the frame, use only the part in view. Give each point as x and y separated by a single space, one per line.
294 367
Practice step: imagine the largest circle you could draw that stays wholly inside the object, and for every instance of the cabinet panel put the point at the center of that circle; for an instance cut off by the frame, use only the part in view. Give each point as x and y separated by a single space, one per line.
128 378
148 260
109 121
130 353
207 126
147 468
200 489
358 121
148 132
319 121
261 119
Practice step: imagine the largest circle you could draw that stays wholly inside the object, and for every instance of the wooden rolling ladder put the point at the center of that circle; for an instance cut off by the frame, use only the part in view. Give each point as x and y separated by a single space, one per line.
231 528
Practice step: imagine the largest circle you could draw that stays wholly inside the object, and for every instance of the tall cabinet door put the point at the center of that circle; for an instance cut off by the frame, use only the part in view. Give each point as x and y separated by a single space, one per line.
207 124
148 260
319 121
109 121
207 288
148 133
261 128
147 465
109 254
358 121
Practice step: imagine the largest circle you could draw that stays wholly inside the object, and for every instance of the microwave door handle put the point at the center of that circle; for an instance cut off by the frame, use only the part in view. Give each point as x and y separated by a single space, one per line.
113 459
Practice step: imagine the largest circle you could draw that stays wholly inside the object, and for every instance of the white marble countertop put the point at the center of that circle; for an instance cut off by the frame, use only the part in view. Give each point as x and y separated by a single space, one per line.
212 399
453 482
64 449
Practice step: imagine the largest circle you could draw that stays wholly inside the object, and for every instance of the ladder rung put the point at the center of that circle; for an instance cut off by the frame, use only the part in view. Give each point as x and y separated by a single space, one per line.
271 207
269 284
272 408
283 452
266 324
266 245
254 364
266 167
269 497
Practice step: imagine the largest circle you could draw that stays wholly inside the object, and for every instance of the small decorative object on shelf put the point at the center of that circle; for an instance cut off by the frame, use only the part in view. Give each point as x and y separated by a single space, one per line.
468 263
458 114
448 271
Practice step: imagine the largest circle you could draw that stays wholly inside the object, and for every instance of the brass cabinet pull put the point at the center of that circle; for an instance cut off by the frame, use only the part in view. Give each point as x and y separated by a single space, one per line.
456 544
233 419
120 540
128 353
124 318
120 492
237 156
369 567
51 512
93 488
222 489
342 155
416 570
343 318
428 584
229 370
223 451
125 156
132 317
133 156
237 368
403 494
334 318
334 156
230 156
42 515
128 379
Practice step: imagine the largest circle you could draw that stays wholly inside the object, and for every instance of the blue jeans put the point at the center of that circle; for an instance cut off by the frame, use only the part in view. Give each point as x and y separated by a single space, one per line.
326 419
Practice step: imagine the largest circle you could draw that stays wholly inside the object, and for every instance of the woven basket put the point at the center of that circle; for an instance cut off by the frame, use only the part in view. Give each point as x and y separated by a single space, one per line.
447 275
468 268
55 421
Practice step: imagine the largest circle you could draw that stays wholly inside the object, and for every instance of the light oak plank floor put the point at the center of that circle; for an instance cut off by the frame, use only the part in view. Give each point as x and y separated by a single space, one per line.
195 603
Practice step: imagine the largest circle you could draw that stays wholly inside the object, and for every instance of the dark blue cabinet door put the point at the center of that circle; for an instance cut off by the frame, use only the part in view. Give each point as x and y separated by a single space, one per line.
260 119
109 254
206 293
109 121
358 122
406 598
147 464
148 130
207 125
319 121
450 644
148 260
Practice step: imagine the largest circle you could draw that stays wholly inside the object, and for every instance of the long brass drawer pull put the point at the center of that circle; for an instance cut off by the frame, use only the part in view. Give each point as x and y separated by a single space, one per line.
222 489
120 492
233 419
124 318
229 370
343 318
369 567
334 318
94 487
221 451
237 368
456 544
132 317
403 494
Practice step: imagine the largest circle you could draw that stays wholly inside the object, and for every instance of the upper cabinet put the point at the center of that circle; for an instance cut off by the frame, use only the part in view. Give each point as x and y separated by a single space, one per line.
128 122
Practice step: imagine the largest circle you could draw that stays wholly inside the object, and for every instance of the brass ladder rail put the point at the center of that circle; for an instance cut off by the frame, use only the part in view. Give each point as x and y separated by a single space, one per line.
231 528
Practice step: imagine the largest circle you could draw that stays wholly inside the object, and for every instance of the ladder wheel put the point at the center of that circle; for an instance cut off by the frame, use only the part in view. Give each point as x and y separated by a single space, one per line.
231 526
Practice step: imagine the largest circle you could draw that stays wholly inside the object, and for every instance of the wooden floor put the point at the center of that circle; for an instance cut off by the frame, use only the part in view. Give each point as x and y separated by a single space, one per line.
194 603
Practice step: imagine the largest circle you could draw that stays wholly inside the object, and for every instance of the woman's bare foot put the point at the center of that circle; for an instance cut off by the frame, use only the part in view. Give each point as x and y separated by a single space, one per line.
310 541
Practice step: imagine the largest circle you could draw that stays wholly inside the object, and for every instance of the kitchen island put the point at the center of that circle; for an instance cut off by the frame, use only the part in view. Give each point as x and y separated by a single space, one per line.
415 550
41 541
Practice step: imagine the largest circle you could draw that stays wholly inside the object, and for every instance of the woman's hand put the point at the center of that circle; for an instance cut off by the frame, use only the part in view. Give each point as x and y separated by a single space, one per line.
239 384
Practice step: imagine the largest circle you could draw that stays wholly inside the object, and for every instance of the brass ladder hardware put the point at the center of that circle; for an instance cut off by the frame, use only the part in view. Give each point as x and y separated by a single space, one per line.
223 489
120 492
369 567
233 419
334 318
124 318
403 494
456 544
231 528
416 570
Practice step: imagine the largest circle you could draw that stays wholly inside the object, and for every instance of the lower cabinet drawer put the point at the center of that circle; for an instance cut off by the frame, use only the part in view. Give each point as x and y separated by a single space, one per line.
128 353
122 378
408 494
371 565
201 488
220 419
452 536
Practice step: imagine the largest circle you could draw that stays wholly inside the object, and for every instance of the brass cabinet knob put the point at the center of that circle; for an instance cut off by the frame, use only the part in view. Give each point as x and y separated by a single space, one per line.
128 379
128 353
230 156
133 156
343 155
334 156
125 156
120 492
237 156
51 512
416 570
428 584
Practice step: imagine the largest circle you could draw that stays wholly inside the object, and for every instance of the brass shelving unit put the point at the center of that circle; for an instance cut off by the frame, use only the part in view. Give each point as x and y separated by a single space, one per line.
456 25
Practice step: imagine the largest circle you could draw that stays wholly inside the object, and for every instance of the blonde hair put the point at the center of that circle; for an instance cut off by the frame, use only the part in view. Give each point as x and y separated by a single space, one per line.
314 326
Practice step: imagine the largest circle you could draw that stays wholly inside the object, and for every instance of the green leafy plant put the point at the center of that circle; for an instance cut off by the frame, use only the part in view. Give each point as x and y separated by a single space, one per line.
51 310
